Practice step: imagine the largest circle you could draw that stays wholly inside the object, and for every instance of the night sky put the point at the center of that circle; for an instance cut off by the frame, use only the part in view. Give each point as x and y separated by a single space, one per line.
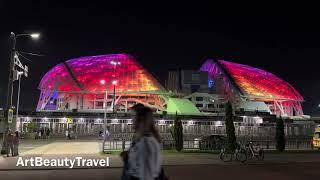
162 37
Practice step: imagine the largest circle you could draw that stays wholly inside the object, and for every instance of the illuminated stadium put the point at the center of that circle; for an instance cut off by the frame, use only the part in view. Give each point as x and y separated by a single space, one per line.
241 83
94 82
116 82
87 94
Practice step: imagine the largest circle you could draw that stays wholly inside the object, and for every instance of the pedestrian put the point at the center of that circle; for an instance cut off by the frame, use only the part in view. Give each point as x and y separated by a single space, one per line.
106 135
16 141
143 159
100 135
47 133
43 133
67 134
9 143
36 134
72 135
5 140
39 134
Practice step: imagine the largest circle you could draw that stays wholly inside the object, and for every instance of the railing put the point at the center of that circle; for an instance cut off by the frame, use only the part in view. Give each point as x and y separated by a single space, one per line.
292 144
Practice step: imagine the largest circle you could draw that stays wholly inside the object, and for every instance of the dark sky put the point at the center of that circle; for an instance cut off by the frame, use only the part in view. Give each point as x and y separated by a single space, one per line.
162 37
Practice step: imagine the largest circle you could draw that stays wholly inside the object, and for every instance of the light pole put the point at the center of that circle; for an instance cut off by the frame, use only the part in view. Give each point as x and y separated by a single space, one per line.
103 82
13 55
19 73
114 83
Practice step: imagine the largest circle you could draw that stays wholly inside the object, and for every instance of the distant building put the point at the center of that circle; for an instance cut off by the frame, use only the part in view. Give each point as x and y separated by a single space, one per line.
207 103
187 81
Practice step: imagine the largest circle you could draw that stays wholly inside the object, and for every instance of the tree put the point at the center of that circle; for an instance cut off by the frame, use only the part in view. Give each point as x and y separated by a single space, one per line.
230 130
280 138
31 127
178 133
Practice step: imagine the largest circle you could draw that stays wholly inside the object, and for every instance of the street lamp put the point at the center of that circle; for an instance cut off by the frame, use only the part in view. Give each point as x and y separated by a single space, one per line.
13 56
12 66
32 35
103 82
35 35
114 83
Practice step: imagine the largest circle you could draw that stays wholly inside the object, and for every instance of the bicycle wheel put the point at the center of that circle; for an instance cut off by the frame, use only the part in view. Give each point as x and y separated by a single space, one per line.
261 155
226 156
241 156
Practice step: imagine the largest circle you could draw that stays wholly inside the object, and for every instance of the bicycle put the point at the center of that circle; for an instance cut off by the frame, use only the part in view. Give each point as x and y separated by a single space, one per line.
239 154
254 152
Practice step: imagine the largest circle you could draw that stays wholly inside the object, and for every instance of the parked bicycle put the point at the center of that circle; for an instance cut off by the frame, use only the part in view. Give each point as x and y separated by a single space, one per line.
239 154
254 151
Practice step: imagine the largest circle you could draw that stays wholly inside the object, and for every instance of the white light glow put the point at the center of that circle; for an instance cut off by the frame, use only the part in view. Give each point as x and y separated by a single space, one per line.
102 81
190 122
218 123
35 36
115 63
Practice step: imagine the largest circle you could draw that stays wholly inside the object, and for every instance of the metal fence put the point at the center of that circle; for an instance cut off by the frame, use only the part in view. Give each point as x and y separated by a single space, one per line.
196 144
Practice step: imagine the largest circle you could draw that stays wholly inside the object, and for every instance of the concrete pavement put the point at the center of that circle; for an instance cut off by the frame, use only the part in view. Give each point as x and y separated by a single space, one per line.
89 149
285 171
168 159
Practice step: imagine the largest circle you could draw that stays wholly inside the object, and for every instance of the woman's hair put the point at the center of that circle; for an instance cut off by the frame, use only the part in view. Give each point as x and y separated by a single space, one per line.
144 121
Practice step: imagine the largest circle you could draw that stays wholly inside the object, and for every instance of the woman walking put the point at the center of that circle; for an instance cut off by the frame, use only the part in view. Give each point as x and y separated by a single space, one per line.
143 160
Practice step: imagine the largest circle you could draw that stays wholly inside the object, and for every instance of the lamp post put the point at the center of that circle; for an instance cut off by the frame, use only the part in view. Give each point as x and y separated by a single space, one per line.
19 73
13 55
114 83
103 82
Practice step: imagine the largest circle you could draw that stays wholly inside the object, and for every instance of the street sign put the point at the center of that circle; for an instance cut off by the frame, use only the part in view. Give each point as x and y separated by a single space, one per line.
26 71
69 120
10 115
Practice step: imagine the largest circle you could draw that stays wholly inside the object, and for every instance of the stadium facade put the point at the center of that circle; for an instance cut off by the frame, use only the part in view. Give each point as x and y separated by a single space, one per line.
241 83
83 89
94 83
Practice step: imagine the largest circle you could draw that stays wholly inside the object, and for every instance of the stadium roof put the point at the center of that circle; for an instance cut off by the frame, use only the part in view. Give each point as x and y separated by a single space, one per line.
95 74
182 107
250 81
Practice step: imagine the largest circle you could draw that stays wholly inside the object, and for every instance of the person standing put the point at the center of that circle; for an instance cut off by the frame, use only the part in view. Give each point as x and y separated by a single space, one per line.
9 143
106 135
67 134
42 133
16 141
47 133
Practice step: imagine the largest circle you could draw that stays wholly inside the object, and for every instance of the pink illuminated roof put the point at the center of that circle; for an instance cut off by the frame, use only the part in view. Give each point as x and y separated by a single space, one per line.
251 81
87 73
